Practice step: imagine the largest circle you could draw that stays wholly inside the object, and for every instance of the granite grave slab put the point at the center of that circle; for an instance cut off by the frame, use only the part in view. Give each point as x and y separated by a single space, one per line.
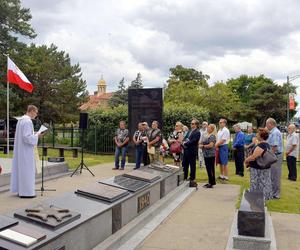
251 215
126 183
162 167
6 222
49 216
142 175
102 192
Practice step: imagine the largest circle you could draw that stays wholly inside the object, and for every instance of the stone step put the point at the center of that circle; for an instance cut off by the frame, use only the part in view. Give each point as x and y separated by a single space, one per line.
132 235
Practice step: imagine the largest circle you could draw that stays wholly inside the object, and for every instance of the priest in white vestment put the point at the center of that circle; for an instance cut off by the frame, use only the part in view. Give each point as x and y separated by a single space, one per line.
23 165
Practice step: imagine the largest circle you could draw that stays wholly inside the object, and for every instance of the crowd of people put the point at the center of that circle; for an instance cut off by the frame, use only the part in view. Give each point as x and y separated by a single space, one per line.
211 147
261 152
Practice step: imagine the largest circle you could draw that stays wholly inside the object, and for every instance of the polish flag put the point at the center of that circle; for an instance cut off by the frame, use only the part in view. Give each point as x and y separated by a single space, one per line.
16 76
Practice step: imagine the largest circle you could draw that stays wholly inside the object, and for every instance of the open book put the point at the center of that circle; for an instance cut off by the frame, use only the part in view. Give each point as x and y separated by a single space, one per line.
42 129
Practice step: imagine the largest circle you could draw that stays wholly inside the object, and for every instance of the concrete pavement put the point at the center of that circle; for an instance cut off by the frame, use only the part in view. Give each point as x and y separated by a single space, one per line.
202 222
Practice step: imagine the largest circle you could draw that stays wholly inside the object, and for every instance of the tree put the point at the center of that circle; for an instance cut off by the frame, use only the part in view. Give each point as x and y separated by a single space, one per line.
58 87
261 98
14 22
137 82
120 97
185 85
221 103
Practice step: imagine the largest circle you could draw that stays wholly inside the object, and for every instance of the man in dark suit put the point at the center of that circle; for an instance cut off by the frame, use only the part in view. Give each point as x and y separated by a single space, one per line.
190 152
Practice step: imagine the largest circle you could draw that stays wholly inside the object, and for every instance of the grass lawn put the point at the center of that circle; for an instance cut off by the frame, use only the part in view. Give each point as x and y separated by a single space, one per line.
89 159
290 191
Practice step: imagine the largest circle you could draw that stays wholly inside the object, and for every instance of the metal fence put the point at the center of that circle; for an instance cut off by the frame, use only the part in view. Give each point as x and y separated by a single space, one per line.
95 140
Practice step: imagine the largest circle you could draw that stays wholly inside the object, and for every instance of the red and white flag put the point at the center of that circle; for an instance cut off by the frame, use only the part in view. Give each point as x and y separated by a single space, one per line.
16 76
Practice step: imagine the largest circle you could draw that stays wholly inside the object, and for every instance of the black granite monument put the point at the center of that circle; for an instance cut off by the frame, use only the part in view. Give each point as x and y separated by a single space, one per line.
251 215
144 105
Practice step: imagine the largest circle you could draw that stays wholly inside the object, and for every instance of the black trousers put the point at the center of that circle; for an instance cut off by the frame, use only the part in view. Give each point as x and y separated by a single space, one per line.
210 169
239 157
291 164
189 160
146 159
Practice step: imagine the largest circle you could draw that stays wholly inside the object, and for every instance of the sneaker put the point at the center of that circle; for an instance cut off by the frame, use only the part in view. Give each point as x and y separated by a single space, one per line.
206 185
225 179
115 168
209 186
121 168
221 178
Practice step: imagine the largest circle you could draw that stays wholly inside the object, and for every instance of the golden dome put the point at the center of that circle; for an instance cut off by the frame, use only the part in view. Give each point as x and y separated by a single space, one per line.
102 82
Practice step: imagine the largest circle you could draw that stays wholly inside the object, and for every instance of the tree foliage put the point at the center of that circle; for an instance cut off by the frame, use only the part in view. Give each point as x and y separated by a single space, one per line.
185 85
58 86
137 83
120 97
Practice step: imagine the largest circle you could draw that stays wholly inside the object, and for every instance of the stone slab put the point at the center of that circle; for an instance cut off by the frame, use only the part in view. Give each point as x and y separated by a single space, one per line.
6 222
130 206
102 192
126 183
163 167
236 241
89 227
50 221
142 175
251 215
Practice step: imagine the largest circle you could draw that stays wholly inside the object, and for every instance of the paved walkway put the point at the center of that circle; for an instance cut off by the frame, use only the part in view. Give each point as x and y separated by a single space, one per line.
62 185
202 222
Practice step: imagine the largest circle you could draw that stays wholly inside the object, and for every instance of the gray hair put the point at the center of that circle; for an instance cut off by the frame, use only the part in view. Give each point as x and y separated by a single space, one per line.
271 121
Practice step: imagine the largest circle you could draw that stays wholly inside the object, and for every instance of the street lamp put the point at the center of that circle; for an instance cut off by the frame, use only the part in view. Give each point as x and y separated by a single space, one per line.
288 80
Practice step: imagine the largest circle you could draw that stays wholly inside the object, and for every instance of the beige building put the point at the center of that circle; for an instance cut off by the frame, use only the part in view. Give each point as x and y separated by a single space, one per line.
100 97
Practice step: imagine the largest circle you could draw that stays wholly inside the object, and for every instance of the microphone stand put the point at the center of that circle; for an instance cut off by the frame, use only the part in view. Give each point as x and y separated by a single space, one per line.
42 187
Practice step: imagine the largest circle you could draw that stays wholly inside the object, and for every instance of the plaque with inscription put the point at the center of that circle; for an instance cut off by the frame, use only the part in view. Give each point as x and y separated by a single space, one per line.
102 192
6 222
142 175
162 167
143 201
126 183
49 216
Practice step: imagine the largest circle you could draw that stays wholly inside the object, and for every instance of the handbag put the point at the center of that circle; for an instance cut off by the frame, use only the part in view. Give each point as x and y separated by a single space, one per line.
151 150
266 159
175 147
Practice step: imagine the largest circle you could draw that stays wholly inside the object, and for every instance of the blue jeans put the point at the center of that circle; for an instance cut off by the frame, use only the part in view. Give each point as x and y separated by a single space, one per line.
119 151
138 155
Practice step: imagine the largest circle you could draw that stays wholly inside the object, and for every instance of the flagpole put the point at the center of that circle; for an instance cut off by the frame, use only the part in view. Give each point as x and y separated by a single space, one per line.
7 112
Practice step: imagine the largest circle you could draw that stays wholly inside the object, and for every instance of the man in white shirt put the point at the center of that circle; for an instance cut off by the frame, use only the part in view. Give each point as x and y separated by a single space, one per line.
222 146
291 151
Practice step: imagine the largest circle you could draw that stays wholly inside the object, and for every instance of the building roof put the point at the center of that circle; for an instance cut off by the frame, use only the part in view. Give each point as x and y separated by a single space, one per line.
96 101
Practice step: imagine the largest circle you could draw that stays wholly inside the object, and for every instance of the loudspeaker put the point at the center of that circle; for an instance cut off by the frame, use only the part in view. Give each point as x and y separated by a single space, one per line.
83 120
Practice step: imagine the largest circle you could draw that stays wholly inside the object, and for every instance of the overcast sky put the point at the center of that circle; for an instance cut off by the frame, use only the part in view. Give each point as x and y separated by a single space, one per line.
224 39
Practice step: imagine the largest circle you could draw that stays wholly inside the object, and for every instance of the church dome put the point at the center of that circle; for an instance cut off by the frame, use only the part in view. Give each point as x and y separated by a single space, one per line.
102 82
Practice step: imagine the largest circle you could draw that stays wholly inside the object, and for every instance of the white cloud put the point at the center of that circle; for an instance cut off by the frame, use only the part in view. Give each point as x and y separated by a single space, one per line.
221 38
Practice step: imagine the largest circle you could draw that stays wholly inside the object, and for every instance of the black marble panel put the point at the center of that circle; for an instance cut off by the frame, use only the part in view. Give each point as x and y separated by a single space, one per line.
251 215
143 105
103 192
49 222
142 175
126 183
6 222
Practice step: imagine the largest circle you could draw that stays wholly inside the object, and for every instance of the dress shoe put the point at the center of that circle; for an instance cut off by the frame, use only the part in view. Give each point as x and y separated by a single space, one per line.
27 197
